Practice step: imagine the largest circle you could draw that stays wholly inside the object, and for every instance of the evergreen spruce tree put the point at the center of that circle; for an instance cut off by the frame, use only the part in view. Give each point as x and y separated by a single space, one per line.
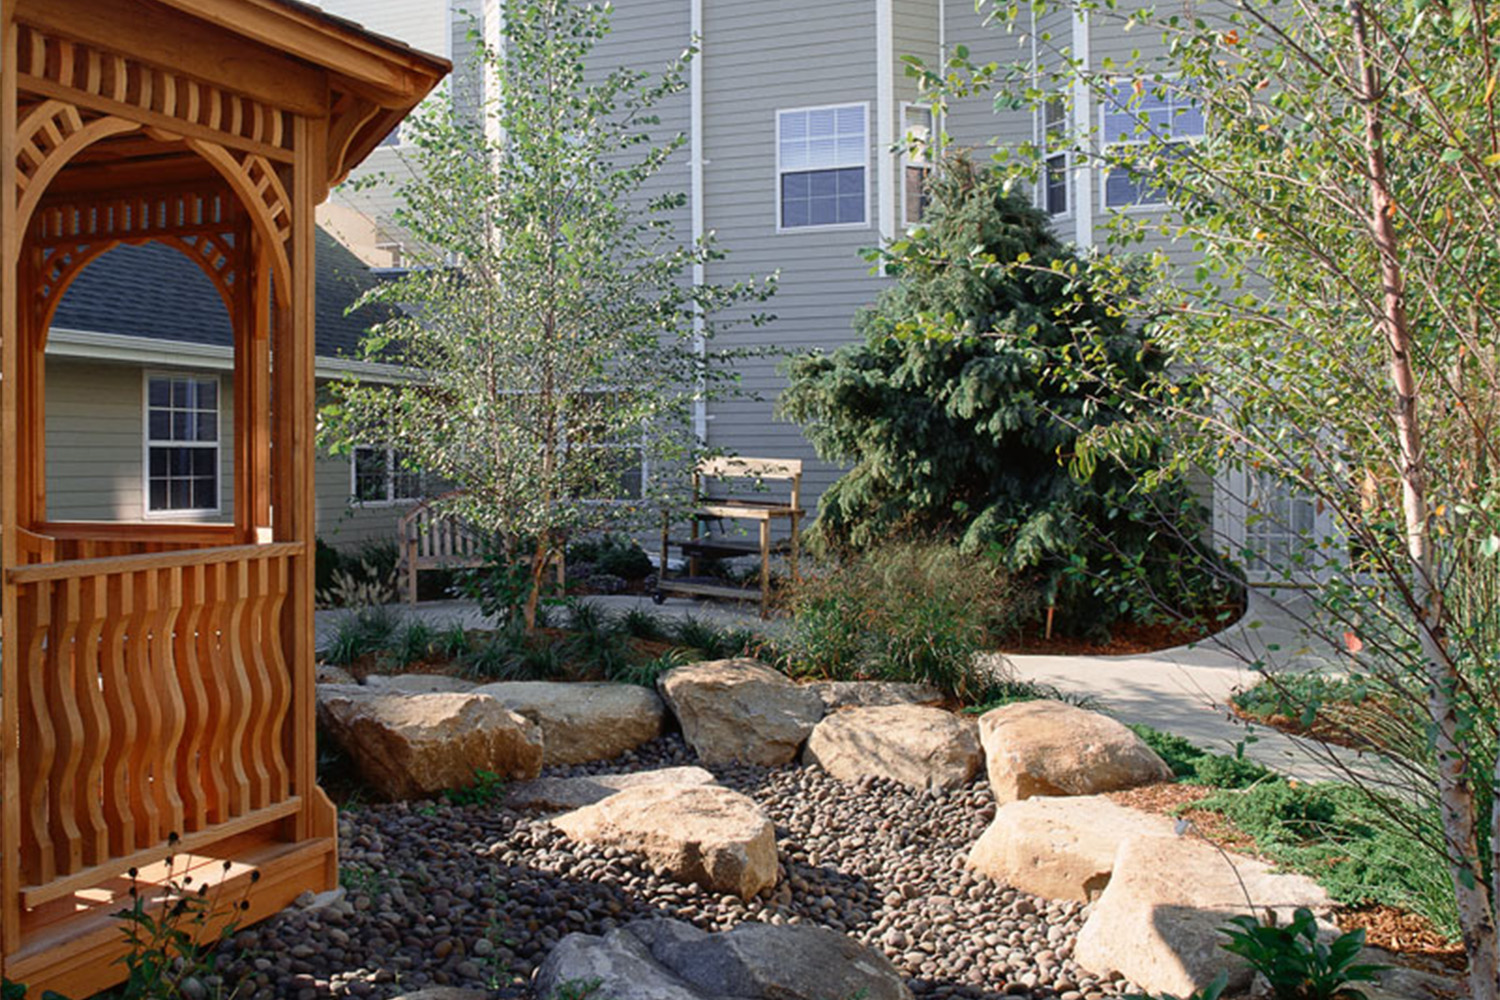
959 409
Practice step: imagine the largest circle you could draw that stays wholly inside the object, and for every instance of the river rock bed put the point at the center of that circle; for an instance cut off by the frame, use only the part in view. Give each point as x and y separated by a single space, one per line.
476 896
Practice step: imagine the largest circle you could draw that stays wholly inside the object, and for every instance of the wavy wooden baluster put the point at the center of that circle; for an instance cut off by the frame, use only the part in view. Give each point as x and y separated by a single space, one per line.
34 610
211 657
235 668
187 656
281 677
166 791
141 690
89 779
120 818
62 701
257 674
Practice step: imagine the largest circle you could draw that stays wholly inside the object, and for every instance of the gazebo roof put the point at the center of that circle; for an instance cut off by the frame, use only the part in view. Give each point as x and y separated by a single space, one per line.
285 54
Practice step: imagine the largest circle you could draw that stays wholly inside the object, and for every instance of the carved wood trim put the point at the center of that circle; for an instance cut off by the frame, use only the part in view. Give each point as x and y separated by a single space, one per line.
118 84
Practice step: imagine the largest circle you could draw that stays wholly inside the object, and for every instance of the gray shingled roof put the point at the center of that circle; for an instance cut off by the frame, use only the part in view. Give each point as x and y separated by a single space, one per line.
155 291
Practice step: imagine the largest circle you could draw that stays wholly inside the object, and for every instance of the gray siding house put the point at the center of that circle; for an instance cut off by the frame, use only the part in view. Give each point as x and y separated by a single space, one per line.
140 398
793 117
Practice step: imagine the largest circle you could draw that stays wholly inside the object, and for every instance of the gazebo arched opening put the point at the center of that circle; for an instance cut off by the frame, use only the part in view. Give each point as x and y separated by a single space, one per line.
157 675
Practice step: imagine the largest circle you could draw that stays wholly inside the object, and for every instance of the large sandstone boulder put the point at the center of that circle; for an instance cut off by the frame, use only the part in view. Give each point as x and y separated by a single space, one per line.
1158 921
918 746
1049 748
699 833
741 710
583 722
1060 848
559 794
415 745
672 960
867 694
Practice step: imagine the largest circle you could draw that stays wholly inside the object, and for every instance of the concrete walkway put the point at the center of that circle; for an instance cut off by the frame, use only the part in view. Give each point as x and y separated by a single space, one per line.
1186 690
1183 691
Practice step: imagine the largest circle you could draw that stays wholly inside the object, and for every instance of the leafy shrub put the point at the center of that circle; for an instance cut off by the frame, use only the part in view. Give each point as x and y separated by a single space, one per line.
452 643
711 642
1361 849
487 790
1298 696
639 623
364 632
411 643
613 554
1196 766
913 612
1295 964
326 559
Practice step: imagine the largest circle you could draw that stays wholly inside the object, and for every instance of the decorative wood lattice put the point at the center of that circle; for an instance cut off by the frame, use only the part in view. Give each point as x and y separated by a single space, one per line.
55 66
153 696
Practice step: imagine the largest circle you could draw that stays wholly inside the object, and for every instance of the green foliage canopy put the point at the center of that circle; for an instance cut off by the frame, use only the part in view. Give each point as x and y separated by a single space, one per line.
960 406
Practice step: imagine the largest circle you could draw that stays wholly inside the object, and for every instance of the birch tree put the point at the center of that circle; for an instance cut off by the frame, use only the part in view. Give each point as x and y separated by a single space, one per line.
556 341
1334 301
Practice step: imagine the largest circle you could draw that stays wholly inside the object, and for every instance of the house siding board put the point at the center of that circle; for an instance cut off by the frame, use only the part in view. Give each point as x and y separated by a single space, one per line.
422 24
762 58
972 122
95 442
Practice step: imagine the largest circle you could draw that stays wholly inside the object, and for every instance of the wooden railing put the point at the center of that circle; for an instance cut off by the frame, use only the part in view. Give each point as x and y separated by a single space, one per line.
154 691
101 540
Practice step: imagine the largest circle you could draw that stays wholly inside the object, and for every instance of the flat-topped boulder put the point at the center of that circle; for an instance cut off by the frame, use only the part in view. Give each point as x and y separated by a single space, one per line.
673 960
415 745
918 746
741 710
560 794
417 683
699 833
837 695
584 721
1158 921
327 673
1060 848
1051 748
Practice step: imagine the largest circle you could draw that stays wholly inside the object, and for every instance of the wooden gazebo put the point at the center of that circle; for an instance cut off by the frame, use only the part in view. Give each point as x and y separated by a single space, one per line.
157 677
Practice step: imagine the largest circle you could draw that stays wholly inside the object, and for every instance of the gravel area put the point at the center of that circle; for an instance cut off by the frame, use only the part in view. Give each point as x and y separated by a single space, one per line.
476 896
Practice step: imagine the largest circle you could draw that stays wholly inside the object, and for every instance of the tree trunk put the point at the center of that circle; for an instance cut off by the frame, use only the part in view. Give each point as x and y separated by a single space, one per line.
539 560
1458 807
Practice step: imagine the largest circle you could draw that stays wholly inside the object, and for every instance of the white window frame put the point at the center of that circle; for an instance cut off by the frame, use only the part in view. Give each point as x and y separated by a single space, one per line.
1105 169
390 500
1048 154
147 443
864 165
927 162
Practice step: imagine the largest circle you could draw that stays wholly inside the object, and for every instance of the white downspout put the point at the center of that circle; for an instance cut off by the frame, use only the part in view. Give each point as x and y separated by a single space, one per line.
885 110
1083 215
695 196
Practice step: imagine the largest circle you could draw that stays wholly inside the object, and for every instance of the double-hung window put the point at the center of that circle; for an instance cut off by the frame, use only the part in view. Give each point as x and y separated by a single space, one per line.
822 159
1053 188
1135 119
182 444
916 162
383 475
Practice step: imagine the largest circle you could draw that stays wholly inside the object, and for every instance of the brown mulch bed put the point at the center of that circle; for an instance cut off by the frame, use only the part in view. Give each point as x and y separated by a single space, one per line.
1405 934
1409 936
1321 730
1125 638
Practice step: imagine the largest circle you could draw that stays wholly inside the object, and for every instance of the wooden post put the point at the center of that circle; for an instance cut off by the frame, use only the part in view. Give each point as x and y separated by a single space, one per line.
765 566
10 650
295 402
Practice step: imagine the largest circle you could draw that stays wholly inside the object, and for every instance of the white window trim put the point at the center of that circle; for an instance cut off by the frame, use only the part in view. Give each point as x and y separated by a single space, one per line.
864 107
390 480
218 445
1047 155
905 161
1138 207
